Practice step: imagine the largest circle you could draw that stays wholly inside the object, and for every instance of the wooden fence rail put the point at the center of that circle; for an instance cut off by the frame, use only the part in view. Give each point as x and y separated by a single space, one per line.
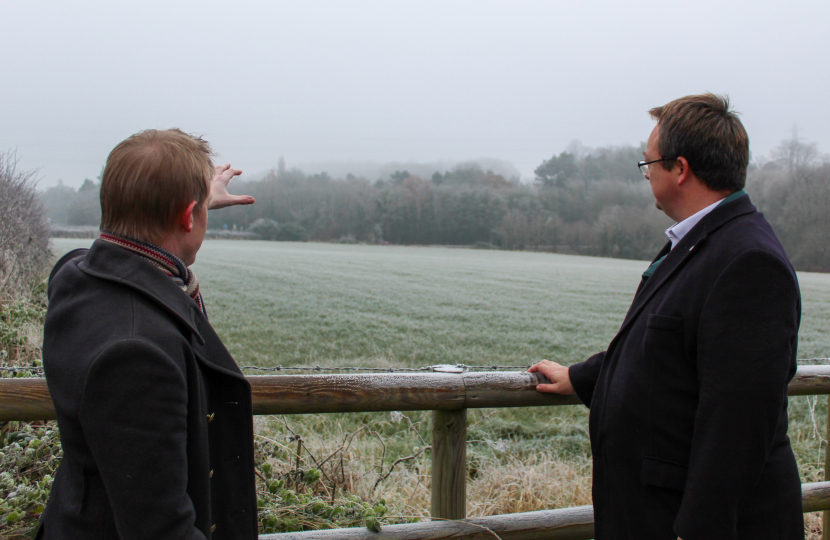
28 399
575 523
449 395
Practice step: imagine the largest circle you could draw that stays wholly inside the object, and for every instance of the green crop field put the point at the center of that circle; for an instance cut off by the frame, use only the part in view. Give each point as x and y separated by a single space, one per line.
306 304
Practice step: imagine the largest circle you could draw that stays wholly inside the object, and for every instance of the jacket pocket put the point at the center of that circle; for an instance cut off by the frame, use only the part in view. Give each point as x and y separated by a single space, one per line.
664 474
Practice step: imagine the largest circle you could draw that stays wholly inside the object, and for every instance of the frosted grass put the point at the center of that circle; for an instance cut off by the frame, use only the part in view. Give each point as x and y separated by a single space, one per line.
282 303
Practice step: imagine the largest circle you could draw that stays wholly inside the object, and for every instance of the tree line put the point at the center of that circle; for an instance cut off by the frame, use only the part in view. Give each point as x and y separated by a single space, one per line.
583 201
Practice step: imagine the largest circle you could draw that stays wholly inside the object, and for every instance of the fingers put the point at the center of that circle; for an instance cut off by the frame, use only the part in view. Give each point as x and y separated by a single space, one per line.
243 199
230 173
226 176
542 365
225 199
534 368
549 372
558 375
225 173
558 385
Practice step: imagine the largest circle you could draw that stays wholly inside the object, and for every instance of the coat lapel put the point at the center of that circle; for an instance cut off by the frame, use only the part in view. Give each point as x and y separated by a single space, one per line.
688 247
663 252
212 352
113 263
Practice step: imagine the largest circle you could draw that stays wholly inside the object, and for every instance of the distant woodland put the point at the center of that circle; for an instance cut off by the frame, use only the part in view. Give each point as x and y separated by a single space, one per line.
582 201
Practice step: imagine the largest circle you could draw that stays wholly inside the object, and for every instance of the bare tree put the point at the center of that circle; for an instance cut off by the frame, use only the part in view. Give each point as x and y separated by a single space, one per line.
24 231
796 156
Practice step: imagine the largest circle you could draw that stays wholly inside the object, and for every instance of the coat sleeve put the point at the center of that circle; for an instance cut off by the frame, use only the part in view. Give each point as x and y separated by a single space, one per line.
746 347
134 417
584 377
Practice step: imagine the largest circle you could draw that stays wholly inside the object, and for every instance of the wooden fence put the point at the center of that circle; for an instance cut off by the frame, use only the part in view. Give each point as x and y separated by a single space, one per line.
448 396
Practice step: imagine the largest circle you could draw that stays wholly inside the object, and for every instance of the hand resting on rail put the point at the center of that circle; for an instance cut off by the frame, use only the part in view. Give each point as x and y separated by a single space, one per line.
560 380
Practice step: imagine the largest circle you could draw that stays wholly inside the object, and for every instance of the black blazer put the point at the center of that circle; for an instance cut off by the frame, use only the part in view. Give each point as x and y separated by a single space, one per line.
688 418
154 415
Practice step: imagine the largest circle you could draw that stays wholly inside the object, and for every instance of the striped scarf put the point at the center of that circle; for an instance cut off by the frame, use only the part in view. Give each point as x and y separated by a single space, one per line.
164 261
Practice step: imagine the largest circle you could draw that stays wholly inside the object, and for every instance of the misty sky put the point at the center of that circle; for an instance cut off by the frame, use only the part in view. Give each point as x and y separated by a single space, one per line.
393 80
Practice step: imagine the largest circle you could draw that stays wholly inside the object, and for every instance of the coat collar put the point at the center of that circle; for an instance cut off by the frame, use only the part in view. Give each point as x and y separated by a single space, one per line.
110 262
688 247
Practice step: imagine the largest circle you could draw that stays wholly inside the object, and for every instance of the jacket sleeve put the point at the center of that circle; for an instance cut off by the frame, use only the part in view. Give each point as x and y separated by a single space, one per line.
584 377
134 417
746 346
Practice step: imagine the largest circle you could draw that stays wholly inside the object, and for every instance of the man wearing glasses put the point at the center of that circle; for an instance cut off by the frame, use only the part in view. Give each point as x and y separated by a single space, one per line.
688 404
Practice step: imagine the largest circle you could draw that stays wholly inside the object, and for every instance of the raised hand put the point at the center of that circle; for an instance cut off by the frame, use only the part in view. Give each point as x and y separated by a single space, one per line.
219 196
560 380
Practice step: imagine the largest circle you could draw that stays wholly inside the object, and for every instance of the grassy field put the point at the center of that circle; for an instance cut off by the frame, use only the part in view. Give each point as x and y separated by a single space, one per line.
294 304
409 306
304 303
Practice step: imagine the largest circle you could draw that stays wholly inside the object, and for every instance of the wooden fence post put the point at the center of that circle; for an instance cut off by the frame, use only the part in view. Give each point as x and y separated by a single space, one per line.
825 518
449 464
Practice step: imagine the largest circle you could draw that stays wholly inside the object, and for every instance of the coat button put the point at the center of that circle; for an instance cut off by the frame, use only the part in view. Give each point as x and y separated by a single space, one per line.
211 474
213 527
210 416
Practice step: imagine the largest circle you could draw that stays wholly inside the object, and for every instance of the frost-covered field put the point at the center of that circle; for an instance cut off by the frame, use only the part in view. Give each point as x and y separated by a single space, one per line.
294 304
306 303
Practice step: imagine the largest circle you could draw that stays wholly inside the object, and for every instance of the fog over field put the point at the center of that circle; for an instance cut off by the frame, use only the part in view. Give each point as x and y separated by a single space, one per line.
368 81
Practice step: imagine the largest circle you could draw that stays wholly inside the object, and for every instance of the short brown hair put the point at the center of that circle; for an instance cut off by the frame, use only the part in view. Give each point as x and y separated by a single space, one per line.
149 179
703 130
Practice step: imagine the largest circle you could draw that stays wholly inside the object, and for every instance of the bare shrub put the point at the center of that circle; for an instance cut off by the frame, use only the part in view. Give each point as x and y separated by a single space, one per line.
24 231
526 483
389 460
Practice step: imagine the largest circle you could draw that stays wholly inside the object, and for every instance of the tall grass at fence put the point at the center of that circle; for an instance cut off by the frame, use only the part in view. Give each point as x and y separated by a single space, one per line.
312 304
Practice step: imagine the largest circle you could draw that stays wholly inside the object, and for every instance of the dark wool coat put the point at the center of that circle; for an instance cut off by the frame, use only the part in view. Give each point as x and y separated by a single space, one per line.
154 415
688 417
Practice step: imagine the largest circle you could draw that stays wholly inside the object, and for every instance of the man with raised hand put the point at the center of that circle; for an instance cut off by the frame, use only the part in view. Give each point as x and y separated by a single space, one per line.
688 419
154 414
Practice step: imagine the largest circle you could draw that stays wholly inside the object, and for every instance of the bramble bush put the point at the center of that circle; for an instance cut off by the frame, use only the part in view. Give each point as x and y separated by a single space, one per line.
288 503
29 455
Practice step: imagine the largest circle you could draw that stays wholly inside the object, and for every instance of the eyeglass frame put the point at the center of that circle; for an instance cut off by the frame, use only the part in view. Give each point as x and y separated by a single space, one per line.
643 165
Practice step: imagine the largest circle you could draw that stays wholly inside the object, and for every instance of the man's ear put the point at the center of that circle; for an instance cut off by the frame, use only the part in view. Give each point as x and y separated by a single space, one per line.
186 218
684 172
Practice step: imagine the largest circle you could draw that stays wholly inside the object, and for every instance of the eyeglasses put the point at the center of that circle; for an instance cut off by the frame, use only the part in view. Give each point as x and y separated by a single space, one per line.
643 165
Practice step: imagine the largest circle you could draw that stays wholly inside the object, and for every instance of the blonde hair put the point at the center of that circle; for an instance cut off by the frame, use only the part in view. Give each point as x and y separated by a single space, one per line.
150 178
